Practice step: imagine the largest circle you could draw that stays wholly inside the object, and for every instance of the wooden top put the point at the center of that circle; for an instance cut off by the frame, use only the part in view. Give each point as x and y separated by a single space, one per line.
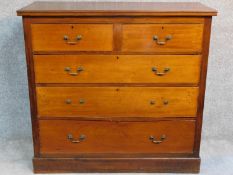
116 9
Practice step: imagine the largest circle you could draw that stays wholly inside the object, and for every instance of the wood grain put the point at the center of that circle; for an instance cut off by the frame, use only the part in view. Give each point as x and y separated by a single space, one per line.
201 98
139 164
116 9
117 68
115 137
139 37
117 101
118 20
31 86
95 37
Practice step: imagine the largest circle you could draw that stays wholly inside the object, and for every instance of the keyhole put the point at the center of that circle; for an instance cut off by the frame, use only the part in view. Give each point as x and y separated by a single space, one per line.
117 57
72 27
162 27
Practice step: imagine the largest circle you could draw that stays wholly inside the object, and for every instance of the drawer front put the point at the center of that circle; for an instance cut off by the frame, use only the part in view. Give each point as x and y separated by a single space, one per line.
72 37
162 37
117 69
117 101
83 137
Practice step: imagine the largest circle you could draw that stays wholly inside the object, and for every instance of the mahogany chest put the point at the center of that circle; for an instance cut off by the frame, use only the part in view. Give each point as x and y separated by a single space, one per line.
116 86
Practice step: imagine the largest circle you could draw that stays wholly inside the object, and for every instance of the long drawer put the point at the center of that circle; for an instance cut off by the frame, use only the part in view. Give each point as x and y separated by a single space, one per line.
62 137
117 101
117 68
72 37
173 38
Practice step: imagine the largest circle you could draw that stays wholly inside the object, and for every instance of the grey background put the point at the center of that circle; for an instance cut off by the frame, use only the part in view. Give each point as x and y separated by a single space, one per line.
15 129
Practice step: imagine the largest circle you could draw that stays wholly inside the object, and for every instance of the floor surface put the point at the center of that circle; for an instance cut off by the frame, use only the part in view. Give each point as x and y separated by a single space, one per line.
15 158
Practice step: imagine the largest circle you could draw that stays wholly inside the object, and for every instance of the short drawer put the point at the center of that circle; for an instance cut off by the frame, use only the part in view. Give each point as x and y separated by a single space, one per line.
117 69
72 37
71 138
117 101
172 38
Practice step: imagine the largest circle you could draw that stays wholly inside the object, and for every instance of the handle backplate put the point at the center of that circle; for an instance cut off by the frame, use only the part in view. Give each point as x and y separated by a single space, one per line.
155 141
72 42
78 140
78 70
164 72
163 41
153 102
69 101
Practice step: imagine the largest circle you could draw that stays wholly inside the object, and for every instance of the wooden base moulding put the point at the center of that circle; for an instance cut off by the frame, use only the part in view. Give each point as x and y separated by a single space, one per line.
161 165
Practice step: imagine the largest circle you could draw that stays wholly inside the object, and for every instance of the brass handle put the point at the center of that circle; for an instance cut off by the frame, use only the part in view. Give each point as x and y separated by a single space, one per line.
66 38
81 101
155 141
152 102
79 69
68 101
73 73
165 102
72 140
165 71
79 37
162 42
71 42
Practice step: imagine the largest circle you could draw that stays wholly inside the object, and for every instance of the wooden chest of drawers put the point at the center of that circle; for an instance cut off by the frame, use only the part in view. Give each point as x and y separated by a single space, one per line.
116 87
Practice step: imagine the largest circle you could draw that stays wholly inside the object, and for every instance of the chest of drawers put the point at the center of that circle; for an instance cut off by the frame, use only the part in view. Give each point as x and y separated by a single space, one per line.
116 86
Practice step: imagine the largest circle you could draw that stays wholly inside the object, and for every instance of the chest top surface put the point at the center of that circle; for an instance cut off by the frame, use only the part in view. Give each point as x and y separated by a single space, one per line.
116 9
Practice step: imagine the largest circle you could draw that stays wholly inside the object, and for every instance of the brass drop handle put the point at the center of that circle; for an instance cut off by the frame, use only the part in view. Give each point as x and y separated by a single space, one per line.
66 38
162 42
73 73
68 101
155 141
72 140
152 102
81 101
165 71
79 37
165 102
79 69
